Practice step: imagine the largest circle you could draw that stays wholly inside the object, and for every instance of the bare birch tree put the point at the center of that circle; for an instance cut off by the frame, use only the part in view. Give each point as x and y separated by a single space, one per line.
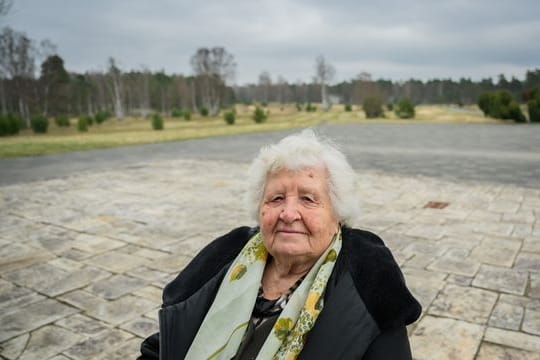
115 76
282 90
213 68
17 56
183 91
145 92
5 6
325 73
265 86
193 94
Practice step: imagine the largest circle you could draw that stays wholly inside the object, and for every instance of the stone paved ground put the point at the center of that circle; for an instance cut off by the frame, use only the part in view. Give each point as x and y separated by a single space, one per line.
83 258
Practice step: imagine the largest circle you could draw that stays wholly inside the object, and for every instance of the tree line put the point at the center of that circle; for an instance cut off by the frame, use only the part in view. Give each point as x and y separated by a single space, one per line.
52 90
34 80
354 91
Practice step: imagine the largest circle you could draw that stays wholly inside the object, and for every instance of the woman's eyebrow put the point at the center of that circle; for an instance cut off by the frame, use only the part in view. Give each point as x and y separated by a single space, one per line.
308 189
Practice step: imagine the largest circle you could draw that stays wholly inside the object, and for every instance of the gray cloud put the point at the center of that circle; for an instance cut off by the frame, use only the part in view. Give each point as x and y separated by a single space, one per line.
395 39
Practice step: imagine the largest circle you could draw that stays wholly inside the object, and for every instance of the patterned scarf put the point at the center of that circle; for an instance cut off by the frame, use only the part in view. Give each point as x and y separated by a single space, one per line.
224 325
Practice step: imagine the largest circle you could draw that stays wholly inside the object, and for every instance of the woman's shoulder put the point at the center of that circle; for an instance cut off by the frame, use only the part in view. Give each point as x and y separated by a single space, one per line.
206 264
378 279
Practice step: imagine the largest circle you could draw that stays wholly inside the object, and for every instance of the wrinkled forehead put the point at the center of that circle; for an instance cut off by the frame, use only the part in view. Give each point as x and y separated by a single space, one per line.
308 176
293 164
297 168
296 158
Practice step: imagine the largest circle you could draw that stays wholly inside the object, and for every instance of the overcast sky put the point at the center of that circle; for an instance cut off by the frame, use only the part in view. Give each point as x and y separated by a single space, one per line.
392 39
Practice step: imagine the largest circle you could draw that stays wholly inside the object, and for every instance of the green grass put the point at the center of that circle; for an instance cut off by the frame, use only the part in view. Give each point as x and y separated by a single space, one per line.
131 131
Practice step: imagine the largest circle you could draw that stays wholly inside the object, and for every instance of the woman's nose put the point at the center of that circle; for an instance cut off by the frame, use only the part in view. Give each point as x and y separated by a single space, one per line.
290 212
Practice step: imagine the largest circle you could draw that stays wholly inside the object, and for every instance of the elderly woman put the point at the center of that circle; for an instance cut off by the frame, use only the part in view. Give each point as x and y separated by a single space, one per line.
301 285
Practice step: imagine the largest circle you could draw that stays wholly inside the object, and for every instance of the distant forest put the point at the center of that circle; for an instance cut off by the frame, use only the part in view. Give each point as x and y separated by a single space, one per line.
34 80
436 91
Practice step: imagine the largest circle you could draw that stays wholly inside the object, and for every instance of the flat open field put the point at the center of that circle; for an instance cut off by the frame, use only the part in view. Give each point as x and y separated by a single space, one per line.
130 131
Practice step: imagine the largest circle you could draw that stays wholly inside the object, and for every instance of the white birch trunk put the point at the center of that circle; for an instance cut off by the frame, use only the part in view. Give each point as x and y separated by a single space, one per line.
324 97
117 99
145 101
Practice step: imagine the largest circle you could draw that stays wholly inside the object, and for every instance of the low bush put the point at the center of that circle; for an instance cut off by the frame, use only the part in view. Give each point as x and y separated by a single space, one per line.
390 106
157 122
404 109
61 121
101 116
311 108
298 106
533 107
348 107
372 107
4 126
259 116
39 124
17 123
9 125
82 123
203 111
187 115
500 105
89 120
514 113
229 117
532 98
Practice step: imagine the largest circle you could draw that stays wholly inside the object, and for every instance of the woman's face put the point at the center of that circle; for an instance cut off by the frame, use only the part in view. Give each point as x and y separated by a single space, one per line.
296 215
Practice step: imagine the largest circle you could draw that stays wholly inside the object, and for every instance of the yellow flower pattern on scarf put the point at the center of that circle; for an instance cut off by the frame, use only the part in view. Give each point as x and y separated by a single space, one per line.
311 302
238 271
282 328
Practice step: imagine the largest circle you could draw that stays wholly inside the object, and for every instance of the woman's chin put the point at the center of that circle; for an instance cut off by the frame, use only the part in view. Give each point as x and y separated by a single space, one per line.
291 251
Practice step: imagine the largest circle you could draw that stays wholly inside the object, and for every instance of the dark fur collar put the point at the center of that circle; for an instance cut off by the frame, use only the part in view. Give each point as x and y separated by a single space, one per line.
378 279
375 273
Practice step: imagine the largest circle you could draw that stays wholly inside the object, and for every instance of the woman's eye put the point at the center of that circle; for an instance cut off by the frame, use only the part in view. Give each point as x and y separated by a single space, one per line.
276 198
308 199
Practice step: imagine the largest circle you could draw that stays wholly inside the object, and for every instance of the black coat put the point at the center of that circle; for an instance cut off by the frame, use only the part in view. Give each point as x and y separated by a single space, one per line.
367 304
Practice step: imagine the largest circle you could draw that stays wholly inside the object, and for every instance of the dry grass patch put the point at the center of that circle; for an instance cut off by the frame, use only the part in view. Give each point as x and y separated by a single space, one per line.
451 114
131 131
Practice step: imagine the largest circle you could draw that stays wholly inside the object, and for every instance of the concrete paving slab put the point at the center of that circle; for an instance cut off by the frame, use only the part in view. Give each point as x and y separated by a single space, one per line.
506 316
117 236
445 339
463 303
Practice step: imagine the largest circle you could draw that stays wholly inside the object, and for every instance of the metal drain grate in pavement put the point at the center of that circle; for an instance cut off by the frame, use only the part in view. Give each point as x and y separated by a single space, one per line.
436 205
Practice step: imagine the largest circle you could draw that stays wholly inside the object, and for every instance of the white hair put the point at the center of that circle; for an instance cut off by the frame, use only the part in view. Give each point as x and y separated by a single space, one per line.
299 151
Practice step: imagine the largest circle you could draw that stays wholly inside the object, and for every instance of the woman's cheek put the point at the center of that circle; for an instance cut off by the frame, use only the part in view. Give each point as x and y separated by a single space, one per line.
266 220
263 217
